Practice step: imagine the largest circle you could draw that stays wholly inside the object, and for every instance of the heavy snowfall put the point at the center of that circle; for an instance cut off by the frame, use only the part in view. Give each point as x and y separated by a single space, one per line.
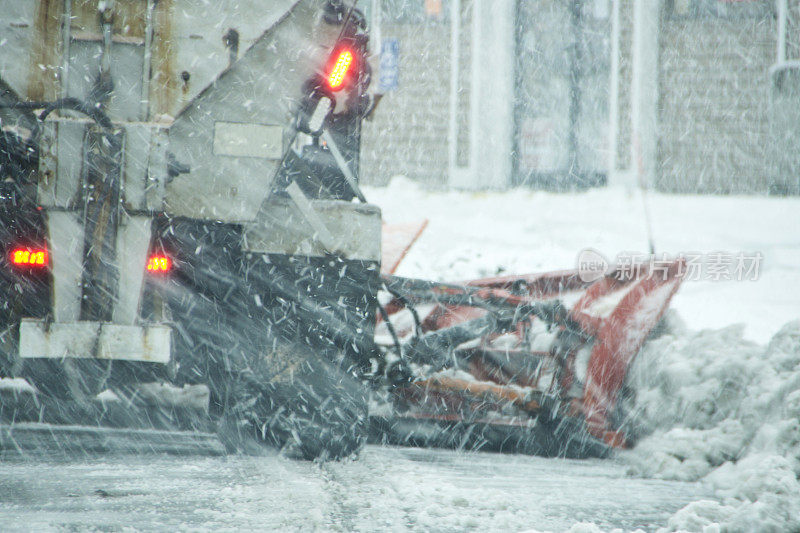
719 399
406 265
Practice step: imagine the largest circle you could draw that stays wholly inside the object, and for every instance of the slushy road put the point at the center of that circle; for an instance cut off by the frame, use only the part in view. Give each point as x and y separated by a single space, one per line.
386 488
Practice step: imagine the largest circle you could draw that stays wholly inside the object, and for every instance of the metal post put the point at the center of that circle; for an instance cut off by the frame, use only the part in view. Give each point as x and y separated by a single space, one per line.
644 87
65 45
148 53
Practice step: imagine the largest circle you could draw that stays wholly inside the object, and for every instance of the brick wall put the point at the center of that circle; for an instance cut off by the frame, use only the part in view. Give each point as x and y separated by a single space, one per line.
721 126
408 132
714 112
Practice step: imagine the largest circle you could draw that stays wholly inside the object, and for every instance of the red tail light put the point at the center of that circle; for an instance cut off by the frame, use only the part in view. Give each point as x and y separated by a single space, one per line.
159 264
29 257
339 69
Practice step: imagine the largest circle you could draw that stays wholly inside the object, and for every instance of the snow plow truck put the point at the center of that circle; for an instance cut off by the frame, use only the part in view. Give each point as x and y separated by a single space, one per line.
187 255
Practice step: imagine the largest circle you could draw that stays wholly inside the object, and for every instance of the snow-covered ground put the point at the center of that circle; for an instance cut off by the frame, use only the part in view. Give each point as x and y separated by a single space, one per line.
719 394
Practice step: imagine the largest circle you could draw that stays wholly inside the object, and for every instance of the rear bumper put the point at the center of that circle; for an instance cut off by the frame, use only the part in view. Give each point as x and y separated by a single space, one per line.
94 340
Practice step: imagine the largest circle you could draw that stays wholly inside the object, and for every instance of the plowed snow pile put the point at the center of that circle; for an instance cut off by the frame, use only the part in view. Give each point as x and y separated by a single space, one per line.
713 406
724 410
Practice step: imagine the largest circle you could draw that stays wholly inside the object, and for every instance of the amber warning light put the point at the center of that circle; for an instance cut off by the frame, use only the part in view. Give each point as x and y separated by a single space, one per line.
159 264
29 258
339 71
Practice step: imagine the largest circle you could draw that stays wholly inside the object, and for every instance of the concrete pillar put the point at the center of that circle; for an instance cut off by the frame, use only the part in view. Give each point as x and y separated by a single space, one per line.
644 90
613 93
491 93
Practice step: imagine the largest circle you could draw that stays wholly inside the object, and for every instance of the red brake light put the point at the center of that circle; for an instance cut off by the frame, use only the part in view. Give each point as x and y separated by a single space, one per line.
36 257
338 72
159 263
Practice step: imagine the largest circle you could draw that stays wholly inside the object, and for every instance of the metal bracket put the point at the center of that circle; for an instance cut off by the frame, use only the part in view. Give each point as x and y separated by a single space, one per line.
304 206
343 166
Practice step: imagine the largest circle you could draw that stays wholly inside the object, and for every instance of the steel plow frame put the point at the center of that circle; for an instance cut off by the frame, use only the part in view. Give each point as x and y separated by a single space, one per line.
467 356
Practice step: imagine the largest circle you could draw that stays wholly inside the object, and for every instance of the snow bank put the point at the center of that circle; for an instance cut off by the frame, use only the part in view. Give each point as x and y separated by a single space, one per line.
726 411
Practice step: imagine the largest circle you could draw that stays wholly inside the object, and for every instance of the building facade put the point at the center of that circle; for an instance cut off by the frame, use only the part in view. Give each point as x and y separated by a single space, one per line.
682 95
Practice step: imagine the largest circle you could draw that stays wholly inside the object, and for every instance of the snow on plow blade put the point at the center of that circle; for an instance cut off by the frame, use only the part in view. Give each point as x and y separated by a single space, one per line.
529 364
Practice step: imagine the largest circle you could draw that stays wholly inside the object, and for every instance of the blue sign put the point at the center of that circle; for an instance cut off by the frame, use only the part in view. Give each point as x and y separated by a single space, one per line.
390 66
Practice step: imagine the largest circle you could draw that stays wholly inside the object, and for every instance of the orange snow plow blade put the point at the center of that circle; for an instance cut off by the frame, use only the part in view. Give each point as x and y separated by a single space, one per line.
397 240
532 363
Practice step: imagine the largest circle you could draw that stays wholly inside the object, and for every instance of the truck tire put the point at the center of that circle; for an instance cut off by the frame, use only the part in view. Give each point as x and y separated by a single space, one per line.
320 414
309 409
266 388
68 379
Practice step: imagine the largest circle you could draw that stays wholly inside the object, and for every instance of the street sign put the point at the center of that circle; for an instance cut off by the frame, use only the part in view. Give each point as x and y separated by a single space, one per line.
389 66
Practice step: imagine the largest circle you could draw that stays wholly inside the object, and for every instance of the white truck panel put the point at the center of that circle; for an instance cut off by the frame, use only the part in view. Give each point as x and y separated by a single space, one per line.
37 339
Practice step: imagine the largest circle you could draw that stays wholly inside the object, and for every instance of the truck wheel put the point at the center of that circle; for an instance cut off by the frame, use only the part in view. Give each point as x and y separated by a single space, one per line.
316 411
68 379
268 389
